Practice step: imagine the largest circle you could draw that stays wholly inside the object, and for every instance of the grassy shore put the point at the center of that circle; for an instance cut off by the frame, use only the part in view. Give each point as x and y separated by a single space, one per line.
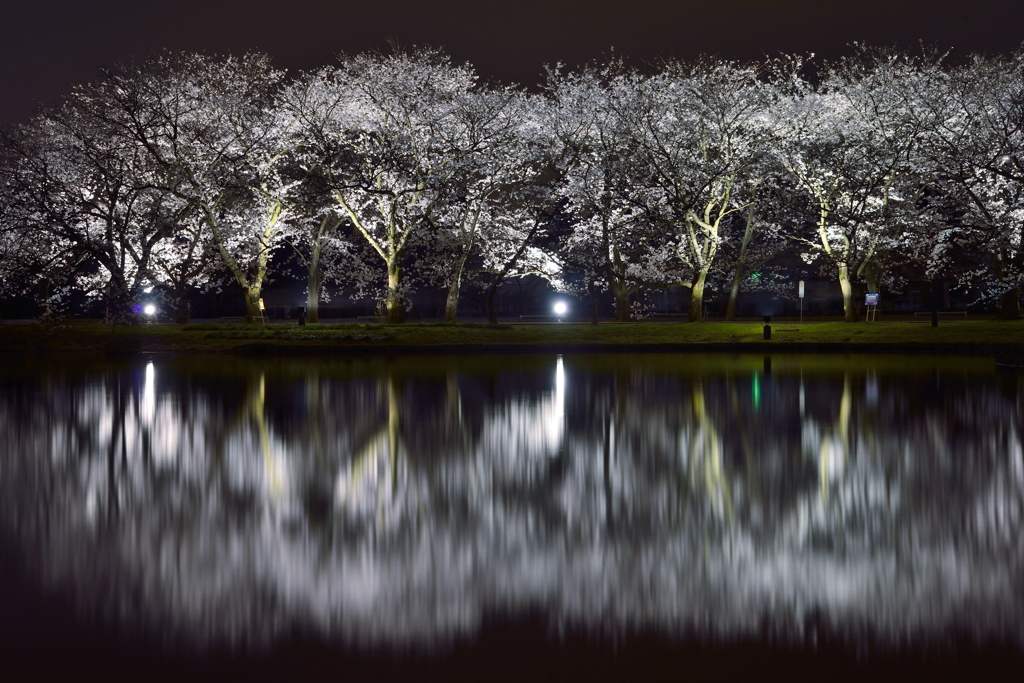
949 336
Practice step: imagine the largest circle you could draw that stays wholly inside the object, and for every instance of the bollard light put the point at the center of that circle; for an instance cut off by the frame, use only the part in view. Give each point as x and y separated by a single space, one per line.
767 327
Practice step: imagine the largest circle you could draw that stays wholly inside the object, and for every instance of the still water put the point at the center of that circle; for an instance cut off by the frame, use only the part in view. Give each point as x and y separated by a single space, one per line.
403 503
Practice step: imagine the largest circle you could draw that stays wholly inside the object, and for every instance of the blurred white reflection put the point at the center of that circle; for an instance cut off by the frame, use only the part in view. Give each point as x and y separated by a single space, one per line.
147 405
559 388
383 507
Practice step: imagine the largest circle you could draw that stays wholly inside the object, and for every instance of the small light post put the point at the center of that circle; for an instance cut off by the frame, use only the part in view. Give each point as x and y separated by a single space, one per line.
560 310
767 327
302 316
801 293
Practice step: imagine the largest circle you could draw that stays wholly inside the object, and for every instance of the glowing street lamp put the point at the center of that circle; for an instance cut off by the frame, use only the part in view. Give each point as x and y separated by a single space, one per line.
149 309
560 309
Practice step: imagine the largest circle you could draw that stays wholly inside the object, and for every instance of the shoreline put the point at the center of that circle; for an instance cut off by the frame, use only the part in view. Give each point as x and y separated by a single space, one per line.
968 338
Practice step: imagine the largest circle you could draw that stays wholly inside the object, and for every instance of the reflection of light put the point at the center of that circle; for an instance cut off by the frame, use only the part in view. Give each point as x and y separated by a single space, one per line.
755 391
150 309
560 309
147 406
560 388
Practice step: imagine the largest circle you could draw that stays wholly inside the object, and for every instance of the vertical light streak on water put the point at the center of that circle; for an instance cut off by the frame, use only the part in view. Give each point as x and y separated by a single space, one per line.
559 389
270 464
147 407
755 391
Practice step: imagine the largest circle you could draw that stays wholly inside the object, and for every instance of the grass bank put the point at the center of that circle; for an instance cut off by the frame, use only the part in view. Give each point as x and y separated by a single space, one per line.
948 337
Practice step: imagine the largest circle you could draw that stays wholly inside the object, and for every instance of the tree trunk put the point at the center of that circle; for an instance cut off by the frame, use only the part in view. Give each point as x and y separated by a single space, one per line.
314 285
1009 305
696 312
252 305
451 306
621 293
182 310
395 305
871 275
45 310
734 292
120 309
849 307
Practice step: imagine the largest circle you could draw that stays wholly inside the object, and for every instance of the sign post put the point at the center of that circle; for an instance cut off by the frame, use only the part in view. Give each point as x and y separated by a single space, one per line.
801 290
871 304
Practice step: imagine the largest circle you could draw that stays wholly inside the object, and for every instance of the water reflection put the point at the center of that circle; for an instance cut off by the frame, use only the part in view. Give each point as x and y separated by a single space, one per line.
400 501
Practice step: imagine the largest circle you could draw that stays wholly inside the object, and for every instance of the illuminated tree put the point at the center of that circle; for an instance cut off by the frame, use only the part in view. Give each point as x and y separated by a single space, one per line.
375 128
973 118
703 129
76 194
848 144
216 139
497 154
603 185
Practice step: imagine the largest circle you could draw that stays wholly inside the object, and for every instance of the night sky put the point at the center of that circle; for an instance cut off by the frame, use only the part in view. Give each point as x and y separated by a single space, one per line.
49 46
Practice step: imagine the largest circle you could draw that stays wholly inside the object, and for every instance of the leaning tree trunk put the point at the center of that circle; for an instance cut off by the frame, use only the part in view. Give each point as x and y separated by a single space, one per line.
734 292
696 311
1009 305
395 304
451 305
849 307
315 285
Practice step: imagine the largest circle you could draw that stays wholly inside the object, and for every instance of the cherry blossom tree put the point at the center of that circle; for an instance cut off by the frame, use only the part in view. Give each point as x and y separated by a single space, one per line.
603 186
973 118
376 127
757 234
848 145
703 127
497 155
213 131
76 192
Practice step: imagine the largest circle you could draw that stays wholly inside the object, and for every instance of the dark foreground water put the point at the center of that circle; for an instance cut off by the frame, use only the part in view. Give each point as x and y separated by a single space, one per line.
525 517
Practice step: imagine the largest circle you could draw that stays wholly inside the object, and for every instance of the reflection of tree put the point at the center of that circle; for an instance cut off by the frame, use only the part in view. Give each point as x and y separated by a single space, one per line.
835 444
395 503
706 450
368 487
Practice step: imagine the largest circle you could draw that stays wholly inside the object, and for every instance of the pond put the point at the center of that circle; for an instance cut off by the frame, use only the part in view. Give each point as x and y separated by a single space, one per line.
430 509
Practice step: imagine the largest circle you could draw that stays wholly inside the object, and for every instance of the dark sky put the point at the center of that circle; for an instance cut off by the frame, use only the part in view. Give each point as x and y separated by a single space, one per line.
49 46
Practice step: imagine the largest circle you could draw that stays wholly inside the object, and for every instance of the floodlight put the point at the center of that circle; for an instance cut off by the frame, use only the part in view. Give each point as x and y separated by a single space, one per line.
149 309
561 308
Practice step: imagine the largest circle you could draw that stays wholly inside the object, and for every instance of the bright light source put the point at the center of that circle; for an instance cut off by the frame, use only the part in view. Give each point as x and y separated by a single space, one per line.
561 308
149 289
150 309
